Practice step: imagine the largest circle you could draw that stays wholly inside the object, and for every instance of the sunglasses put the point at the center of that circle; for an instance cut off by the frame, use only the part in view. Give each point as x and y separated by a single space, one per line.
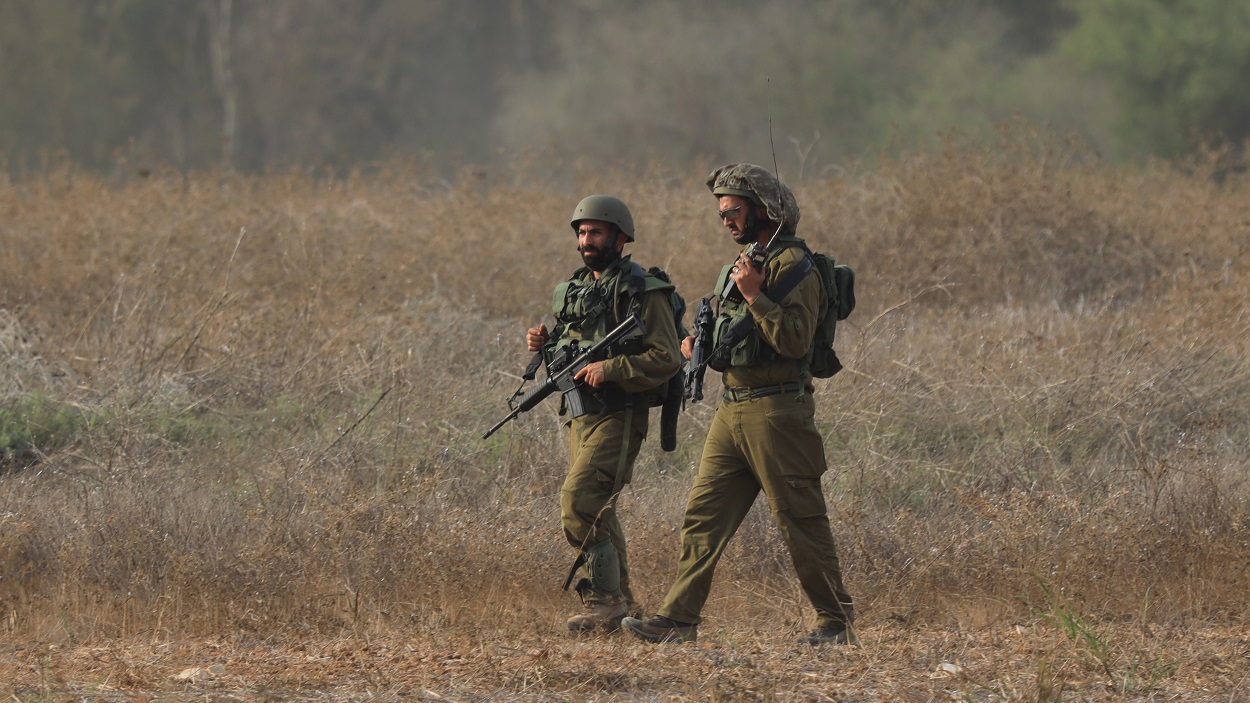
729 213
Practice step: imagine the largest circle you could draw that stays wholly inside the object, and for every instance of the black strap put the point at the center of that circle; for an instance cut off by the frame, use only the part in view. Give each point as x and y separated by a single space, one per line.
778 293
532 368
792 281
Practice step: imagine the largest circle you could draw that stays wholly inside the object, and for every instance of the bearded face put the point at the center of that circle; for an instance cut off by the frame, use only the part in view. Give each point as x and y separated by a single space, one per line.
597 259
598 244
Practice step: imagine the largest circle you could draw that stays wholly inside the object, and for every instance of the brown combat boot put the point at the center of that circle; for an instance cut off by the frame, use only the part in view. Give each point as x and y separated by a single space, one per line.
601 615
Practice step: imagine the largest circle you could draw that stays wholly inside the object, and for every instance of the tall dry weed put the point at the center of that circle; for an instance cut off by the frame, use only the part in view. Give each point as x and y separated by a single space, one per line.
282 381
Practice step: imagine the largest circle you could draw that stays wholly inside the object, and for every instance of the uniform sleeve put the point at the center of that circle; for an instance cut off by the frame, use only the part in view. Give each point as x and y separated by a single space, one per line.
660 356
789 325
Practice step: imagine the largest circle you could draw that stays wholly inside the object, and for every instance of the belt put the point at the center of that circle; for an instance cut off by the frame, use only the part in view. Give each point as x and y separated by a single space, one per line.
740 395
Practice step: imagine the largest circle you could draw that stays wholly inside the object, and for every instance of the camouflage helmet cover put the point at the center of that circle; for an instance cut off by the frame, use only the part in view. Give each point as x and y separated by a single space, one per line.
604 208
761 187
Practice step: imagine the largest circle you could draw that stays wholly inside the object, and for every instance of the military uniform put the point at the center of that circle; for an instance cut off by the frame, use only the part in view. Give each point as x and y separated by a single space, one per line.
604 442
763 438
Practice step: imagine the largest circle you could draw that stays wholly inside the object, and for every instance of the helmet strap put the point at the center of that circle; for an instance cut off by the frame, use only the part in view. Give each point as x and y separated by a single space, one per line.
751 229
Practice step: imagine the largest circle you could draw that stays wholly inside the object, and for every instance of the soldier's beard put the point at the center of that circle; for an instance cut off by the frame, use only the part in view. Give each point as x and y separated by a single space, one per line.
598 260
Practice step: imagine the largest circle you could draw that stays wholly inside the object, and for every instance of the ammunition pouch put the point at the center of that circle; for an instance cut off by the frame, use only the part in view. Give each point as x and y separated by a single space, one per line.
611 399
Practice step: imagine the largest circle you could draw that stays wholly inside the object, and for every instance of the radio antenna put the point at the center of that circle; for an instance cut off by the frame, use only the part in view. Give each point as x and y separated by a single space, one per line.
781 202
776 171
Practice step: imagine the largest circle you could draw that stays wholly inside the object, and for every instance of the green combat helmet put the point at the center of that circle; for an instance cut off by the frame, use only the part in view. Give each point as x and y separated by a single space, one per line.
762 188
604 208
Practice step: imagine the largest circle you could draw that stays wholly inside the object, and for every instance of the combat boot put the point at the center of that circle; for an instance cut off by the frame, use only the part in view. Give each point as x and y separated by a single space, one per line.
662 629
600 615
603 602
837 633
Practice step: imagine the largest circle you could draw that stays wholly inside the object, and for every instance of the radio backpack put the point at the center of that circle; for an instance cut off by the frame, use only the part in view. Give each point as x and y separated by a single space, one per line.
839 284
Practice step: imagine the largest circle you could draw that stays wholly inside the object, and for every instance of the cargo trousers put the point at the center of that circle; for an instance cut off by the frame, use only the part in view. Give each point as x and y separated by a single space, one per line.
767 444
602 450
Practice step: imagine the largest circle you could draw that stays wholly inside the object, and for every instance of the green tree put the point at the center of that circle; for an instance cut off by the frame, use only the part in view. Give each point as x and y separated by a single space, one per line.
1178 69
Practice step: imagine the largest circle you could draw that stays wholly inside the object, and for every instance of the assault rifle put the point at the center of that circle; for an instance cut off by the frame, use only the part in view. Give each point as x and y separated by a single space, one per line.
697 366
562 369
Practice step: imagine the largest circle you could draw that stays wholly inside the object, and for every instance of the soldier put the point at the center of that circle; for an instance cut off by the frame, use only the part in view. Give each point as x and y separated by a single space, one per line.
763 436
604 442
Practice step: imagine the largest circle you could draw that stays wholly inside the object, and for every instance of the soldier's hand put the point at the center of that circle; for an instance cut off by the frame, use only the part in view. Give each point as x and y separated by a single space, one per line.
748 280
536 337
687 347
591 374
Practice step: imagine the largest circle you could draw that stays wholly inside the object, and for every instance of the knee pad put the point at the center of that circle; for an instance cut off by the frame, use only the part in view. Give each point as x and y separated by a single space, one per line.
603 563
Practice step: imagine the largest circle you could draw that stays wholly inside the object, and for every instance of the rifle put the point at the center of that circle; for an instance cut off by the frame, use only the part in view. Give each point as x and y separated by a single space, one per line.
701 351
562 369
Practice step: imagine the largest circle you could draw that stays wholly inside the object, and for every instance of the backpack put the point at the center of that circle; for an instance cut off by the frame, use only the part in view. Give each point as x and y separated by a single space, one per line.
839 284
675 390
638 285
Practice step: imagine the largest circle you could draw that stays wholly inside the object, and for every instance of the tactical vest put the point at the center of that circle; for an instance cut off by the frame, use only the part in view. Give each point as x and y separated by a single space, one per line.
752 350
586 309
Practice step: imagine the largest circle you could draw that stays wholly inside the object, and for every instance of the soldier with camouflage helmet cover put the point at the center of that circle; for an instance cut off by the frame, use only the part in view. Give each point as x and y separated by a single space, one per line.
619 391
763 436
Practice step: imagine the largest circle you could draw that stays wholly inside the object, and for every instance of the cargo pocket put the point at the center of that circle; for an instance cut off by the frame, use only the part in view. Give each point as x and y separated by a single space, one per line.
796 450
804 496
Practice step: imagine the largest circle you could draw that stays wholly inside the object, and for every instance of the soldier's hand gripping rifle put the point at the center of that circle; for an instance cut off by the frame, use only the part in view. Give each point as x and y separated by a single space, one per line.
696 367
562 370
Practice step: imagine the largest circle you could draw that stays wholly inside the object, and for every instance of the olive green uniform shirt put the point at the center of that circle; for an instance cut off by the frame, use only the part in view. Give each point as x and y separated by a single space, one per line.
661 350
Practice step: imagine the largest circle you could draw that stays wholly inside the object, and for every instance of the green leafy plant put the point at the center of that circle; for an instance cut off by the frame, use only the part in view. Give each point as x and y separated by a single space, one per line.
36 423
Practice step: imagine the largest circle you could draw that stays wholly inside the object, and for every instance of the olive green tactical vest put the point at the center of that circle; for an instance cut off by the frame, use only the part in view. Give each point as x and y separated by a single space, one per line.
586 309
751 350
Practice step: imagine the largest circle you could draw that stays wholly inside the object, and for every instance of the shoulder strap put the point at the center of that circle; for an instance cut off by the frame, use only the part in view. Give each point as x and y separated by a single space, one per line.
646 280
637 279
779 292
787 241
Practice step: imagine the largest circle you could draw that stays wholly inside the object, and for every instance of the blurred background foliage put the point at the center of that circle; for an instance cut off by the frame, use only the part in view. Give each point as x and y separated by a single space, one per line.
259 85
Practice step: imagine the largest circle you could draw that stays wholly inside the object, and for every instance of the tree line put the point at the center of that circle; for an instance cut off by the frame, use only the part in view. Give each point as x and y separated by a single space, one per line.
259 84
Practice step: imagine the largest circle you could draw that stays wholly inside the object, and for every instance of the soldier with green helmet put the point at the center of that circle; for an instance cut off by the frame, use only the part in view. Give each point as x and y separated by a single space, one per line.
763 436
618 394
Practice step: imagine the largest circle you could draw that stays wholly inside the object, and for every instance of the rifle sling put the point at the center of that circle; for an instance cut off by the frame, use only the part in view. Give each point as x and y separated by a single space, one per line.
532 369
786 285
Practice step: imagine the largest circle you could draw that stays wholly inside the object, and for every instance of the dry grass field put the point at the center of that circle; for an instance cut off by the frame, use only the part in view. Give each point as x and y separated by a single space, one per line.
241 421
